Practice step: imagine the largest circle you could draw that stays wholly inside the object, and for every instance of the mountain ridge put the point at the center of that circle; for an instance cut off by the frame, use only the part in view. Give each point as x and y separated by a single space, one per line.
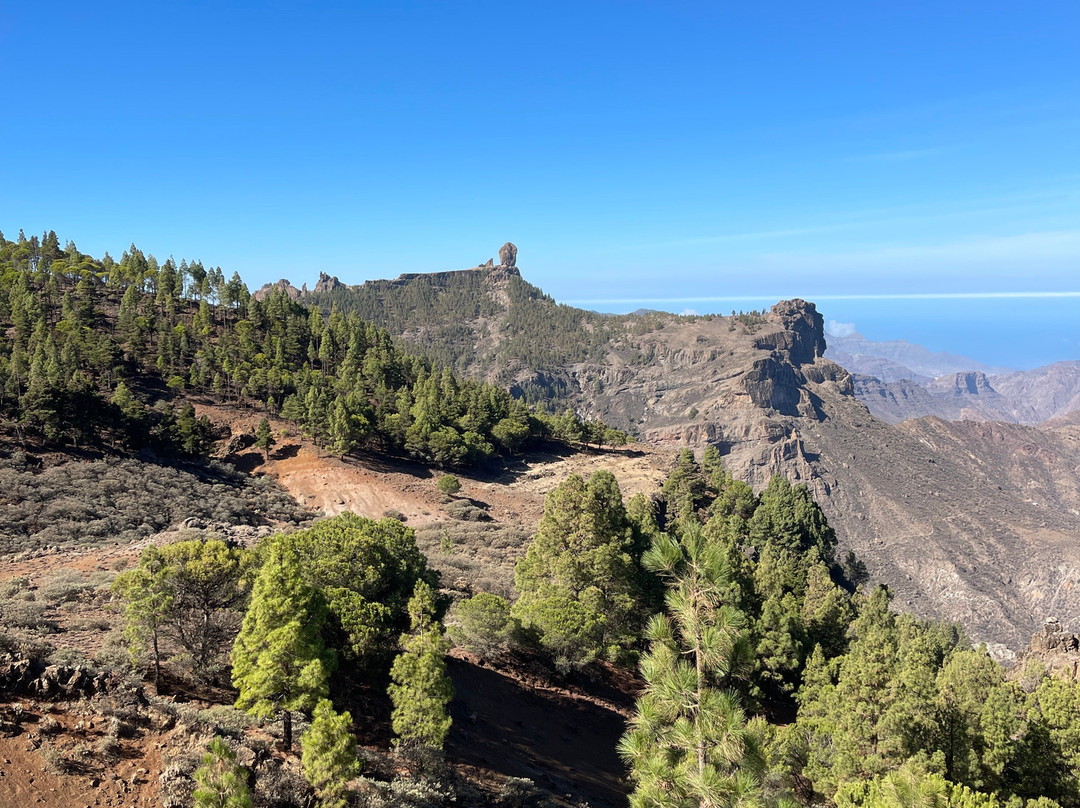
914 501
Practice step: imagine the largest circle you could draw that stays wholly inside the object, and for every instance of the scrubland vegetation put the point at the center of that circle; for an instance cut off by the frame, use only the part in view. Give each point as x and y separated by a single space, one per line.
118 501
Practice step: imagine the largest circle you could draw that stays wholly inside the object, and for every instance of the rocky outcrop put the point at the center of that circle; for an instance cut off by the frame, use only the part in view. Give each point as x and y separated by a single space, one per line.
1057 649
237 443
508 255
894 392
34 678
1042 393
326 283
773 384
803 335
968 383
283 284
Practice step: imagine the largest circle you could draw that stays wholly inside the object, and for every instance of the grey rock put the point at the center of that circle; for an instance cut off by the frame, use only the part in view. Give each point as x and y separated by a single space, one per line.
508 255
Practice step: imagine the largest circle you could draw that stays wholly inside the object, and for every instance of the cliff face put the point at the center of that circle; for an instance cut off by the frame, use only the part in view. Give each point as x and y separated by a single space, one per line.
969 522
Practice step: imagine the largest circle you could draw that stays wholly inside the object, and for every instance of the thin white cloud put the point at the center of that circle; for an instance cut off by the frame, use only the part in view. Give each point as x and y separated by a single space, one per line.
1033 202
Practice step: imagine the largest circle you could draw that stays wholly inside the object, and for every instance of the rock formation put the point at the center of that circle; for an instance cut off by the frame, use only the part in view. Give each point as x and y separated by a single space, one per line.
20 676
1055 648
289 289
327 283
508 255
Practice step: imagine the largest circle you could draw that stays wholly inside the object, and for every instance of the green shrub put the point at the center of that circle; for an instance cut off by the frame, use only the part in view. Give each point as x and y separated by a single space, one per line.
484 625
449 484
466 511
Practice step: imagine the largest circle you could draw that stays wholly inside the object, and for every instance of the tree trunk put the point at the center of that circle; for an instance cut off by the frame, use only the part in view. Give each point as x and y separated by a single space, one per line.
286 730
697 712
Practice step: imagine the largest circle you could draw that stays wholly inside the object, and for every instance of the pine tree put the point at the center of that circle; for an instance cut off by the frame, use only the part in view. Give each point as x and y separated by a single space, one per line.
264 437
221 783
578 582
847 722
280 662
690 742
149 599
421 690
328 754
341 433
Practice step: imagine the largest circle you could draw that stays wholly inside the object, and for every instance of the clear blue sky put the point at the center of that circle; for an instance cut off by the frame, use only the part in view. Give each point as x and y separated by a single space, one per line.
639 154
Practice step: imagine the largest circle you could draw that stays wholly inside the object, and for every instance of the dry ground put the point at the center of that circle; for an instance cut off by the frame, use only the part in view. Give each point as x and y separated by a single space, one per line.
510 720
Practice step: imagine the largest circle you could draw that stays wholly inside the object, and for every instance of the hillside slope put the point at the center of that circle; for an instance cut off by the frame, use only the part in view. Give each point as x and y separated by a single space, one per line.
966 523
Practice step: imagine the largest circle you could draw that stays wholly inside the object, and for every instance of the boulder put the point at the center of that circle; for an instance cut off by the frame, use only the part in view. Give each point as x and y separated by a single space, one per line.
508 255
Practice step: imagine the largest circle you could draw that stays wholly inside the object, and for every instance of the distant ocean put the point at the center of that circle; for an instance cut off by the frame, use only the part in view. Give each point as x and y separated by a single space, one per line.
1020 333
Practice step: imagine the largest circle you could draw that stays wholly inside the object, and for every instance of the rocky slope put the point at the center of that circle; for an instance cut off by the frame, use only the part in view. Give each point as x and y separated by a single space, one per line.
1042 393
966 521
959 396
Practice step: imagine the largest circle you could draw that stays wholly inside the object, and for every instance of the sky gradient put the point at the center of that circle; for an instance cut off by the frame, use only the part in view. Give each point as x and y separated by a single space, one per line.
661 155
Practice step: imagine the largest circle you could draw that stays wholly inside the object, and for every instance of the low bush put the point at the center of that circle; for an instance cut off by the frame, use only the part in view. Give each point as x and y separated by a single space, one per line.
482 558
24 643
55 761
466 511
25 614
69 657
224 719
66 585
521 792
14 586
449 484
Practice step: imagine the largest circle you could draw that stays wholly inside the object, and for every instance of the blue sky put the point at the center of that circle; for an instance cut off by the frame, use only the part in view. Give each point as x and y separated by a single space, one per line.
639 154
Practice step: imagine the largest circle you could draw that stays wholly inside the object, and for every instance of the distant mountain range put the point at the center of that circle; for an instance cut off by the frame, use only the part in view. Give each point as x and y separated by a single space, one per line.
895 360
898 380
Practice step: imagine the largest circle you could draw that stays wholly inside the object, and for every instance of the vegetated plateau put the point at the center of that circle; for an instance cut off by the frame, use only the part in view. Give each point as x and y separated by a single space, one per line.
390 545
